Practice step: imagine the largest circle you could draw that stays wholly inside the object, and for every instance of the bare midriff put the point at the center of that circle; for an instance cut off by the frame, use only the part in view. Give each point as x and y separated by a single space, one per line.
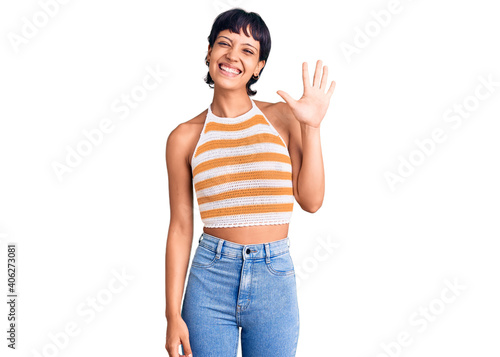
250 234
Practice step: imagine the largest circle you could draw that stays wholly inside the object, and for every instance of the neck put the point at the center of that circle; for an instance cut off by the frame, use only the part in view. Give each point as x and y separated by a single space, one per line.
229 103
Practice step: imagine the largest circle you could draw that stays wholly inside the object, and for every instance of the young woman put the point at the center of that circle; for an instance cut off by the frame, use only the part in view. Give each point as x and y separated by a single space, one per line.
249 160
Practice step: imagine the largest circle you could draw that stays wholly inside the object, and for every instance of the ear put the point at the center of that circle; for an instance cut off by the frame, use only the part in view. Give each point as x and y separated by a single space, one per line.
209 52
261 65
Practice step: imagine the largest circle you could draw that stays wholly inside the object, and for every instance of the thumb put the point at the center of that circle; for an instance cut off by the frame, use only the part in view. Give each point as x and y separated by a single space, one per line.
286 97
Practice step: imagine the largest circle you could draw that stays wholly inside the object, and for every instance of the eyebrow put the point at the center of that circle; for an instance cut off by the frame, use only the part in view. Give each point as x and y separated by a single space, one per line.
244 43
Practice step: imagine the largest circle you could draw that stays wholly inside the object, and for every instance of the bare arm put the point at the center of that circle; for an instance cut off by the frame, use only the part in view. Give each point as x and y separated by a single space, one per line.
180 232
305 116
308 174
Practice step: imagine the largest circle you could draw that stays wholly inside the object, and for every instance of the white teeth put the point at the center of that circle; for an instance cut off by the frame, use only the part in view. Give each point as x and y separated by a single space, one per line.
230 70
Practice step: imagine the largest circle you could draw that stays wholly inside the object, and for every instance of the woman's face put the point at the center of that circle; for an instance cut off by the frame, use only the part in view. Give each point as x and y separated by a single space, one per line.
234 59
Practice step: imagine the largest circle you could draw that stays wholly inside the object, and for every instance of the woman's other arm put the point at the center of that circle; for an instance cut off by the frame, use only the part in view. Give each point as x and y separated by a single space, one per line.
180 232
179 239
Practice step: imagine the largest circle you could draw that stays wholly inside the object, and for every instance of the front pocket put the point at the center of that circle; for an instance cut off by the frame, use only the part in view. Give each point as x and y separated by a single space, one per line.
203 258
281 264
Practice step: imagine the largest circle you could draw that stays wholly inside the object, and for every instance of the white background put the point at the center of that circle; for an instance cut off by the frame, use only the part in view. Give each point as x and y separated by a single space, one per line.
395 248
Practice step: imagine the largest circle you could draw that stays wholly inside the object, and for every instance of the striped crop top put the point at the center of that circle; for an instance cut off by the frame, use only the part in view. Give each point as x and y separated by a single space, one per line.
242 172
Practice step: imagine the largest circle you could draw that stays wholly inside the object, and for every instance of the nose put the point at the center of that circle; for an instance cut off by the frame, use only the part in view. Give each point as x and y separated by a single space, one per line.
230 55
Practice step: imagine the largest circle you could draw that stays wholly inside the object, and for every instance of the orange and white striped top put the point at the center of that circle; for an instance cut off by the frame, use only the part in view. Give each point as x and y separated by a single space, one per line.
242 172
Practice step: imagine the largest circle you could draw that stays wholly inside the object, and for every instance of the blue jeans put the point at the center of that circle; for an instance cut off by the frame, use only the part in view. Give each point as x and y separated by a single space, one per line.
232 286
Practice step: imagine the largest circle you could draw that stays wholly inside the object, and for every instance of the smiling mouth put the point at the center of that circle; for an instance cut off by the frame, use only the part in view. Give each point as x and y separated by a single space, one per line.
230 71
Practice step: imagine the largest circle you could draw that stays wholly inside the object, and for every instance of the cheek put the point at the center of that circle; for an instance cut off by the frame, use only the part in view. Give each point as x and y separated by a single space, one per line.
250 65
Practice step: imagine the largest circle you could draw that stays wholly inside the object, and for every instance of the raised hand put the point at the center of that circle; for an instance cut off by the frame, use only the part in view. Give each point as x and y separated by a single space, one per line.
311 108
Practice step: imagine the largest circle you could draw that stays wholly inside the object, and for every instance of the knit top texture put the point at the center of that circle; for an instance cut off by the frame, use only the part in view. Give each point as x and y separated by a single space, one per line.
242 172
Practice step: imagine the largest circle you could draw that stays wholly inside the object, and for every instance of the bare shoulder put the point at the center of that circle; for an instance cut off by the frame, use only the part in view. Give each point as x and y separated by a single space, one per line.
279 111
185 136
272 108
281 116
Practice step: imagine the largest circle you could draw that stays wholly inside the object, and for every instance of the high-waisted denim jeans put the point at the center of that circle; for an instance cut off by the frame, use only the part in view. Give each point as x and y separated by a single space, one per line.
250 286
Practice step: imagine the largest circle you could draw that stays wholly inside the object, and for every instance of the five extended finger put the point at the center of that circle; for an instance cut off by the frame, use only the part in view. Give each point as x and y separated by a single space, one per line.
316 77
288 99
317 73
324 78
305 76
330 90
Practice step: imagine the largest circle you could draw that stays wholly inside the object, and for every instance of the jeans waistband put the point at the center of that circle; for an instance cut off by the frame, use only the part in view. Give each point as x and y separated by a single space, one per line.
247 251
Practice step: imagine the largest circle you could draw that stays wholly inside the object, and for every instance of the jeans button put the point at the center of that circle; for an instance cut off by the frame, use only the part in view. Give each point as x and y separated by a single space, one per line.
248 250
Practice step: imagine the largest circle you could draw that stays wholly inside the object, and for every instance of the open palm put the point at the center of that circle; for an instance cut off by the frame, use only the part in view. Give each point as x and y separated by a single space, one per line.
312 106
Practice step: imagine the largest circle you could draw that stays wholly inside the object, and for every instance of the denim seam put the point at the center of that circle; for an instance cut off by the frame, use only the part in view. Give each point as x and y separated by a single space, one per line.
205 266
210 246
236 346
214 250
211 264
250 290
296 337
281 252
279 272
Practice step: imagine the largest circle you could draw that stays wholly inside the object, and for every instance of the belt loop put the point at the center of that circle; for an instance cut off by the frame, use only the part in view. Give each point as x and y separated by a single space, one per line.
219 248
268 253
201 237
288 241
